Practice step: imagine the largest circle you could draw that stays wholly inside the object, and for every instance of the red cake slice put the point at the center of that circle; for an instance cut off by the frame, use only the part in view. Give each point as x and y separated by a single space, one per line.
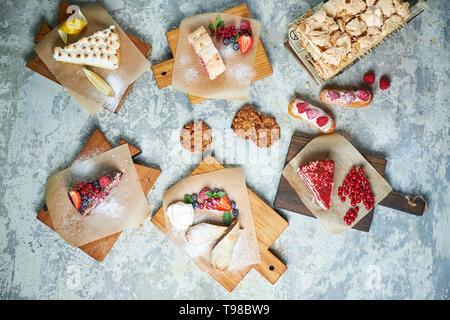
319 177
86 196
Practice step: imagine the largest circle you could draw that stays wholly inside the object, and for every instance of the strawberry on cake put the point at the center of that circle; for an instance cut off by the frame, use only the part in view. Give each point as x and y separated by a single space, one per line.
318 176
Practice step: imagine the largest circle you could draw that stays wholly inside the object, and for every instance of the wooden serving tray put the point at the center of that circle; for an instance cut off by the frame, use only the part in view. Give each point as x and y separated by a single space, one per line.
163 71
269 226
97 143
287 198
37 65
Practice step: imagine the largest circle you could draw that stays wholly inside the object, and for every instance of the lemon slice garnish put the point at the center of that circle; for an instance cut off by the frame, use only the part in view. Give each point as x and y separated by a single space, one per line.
98 82
72 26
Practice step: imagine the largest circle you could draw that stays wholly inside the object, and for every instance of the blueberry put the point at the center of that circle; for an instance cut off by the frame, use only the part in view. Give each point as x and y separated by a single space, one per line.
84 197
195 204
235 212
226 41
233 204
216 190
236 46
194 197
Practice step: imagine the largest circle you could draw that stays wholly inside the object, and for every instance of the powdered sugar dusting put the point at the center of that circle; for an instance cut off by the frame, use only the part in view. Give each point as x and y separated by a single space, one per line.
190 75
241 73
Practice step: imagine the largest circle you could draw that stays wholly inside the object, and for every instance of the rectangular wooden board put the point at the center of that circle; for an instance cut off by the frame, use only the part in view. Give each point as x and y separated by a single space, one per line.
269 226
286 197
37 65
163 71
97 143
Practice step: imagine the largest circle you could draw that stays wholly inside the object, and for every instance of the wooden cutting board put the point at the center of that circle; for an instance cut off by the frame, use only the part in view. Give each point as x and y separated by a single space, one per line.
287 198
163 71
37 65
269 226
97 143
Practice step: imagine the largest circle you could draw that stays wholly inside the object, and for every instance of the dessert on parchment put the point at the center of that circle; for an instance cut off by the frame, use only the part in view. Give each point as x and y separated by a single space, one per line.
342 30
318 176
101 50
207 52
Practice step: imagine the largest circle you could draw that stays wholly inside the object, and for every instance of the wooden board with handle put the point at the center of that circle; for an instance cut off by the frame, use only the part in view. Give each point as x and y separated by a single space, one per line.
37 65
269 226
97 143
163 71
287 198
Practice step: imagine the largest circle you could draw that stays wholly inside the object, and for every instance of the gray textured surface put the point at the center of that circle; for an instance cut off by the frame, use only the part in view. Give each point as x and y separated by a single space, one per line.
43 128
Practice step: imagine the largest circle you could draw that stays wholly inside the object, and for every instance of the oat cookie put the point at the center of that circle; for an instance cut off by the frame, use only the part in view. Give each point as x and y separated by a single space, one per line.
261 129
196 136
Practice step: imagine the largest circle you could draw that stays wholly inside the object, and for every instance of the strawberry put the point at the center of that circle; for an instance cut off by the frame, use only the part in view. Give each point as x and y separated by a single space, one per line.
76 198
302 107
321 121
224 204
245 43
104 181
311 114
202 195
369 78
384 83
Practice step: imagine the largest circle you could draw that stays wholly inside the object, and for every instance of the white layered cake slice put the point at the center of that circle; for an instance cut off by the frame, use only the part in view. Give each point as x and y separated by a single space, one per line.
98 50
207 52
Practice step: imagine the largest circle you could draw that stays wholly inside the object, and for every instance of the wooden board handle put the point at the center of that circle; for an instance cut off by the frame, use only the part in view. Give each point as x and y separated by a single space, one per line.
270 267
412 205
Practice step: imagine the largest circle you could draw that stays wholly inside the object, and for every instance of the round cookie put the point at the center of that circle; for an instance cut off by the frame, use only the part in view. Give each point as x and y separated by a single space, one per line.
195 136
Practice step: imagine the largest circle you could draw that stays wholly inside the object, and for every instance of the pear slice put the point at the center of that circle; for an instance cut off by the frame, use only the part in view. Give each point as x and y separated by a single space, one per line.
223 251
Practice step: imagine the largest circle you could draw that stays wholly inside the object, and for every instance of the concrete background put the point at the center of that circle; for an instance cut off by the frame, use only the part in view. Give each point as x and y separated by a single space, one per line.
43 128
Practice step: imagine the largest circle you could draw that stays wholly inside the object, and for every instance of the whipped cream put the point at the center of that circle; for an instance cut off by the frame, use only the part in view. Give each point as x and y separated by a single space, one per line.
181 215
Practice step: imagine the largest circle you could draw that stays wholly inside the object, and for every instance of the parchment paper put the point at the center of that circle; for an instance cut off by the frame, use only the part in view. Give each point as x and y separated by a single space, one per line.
232 181
189 75
132 64
125 207
334 147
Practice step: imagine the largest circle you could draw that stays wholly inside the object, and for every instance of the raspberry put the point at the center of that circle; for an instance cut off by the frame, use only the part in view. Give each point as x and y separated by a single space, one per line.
384 83
311 114
333 95
321 121
363 95
302 107
369 78
104 181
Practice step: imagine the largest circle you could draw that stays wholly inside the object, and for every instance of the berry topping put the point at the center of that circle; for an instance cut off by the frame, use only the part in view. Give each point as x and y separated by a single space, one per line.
369 78
302 107
235 212
236 46
104 181
312 114
226 41
384 83
75 197
245 43
363 95
224 204
321 121
194 197
202 195
245 25
333 95
349 97
195 205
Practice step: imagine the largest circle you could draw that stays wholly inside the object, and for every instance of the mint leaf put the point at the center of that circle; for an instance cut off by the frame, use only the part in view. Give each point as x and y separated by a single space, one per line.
209 194
188 198
221 194
211 27
221 24
226 218
218 20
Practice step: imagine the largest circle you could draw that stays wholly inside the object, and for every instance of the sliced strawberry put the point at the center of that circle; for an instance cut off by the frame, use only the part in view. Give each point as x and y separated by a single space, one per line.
333 95
224 204
302 107
202 195
104 181
76 198
245 43
321 121
312 113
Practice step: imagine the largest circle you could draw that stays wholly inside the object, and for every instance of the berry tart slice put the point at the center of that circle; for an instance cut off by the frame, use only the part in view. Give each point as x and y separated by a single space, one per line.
319 176
87 196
